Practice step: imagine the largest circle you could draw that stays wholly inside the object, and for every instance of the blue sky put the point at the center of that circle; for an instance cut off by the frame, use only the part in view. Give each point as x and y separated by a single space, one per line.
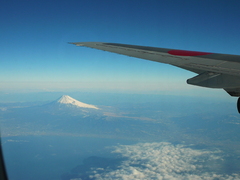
35 55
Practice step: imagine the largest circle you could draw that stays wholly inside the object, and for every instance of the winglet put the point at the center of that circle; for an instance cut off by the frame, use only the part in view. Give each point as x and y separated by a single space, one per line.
77 44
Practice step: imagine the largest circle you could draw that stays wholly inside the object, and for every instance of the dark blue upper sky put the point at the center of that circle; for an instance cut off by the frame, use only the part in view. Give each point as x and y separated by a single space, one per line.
35 55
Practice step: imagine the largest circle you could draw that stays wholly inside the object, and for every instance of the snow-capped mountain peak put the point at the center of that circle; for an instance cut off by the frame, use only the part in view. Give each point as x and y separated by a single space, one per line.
65 99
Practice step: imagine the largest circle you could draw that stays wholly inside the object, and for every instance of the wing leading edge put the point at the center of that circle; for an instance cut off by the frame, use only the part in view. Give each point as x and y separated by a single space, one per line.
214 70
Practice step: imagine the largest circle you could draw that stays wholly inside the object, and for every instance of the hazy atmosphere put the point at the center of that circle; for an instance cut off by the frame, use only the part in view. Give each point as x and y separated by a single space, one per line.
76 113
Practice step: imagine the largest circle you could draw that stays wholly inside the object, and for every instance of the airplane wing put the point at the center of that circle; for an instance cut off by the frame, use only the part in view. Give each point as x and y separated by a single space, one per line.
214 70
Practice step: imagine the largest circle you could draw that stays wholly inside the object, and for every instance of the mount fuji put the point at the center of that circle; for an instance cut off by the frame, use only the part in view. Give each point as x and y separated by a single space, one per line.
67 100
68 105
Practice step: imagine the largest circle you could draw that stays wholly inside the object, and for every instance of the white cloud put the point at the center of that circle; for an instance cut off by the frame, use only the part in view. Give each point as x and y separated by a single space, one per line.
164 161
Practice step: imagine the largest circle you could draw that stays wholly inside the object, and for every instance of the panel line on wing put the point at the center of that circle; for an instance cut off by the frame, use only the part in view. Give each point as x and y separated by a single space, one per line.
149 52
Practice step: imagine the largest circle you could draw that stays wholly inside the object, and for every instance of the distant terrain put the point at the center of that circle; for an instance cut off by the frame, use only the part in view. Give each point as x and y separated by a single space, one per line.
154 122
81 136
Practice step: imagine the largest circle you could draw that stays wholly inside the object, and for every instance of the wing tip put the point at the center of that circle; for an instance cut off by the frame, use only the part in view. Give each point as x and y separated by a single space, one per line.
88 44
76 43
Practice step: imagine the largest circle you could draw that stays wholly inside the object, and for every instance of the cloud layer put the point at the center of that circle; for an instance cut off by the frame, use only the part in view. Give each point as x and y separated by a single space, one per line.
164 161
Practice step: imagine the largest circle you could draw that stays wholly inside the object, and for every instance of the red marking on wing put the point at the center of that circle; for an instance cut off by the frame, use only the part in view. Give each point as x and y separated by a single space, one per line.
187 53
